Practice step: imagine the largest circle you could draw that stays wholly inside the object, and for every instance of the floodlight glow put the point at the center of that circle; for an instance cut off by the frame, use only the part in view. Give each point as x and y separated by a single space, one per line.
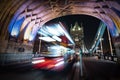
28 30
33 32
13 20
73 29
16 27
14 33
31 37
48 39
24 25
79 28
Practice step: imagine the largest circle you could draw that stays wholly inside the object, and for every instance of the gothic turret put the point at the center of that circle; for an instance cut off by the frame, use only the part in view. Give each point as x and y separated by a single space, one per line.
77 35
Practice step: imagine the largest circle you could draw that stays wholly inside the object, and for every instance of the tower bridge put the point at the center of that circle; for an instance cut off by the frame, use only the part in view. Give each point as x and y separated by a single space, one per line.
23 29
19 25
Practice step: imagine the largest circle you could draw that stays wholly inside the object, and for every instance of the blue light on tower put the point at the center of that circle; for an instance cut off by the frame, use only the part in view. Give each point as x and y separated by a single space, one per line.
16 27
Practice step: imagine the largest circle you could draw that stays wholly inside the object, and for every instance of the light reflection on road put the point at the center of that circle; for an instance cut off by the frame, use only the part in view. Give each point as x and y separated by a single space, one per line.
48 63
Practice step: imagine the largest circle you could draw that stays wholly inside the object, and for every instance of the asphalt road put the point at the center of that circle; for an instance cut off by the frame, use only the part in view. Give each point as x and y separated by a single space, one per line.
101 69
93 69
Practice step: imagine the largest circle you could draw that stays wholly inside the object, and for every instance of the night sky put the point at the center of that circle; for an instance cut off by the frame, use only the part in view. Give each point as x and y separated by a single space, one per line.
89 23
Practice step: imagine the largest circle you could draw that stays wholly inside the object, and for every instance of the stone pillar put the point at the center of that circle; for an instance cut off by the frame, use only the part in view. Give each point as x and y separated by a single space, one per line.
12 52
117 48
3 46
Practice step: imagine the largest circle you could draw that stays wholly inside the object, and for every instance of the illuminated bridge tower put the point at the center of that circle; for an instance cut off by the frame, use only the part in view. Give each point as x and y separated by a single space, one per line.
77 35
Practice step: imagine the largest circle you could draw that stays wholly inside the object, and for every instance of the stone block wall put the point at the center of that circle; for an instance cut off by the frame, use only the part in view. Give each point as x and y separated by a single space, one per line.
117 48
14 52
14 47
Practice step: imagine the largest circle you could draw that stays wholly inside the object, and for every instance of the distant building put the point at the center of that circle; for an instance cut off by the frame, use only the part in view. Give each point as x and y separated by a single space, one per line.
77 34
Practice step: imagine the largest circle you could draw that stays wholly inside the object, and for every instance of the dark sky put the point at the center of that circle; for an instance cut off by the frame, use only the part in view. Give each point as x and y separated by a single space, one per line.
89 23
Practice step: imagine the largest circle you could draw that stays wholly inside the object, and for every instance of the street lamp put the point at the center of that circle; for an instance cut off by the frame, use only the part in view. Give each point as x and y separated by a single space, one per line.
111 49
101 45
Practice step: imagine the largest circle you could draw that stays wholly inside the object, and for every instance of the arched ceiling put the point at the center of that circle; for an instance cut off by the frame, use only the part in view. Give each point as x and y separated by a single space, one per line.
22 18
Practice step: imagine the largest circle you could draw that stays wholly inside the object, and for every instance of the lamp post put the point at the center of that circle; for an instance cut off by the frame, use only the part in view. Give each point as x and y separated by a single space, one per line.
97 50
81 65
101 45
40 44
111 49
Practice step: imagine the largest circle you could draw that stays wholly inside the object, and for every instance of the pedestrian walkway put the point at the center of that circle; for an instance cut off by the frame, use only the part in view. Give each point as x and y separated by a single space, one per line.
78 71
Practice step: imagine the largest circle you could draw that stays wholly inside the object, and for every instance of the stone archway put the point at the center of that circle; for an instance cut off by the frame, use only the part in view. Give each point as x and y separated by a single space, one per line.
39 12
33 14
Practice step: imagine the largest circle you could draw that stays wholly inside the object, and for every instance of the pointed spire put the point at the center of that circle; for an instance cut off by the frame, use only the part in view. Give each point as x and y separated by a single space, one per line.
75 26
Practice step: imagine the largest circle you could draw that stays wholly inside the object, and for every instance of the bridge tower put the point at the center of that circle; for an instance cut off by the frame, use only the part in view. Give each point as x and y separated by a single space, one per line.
77 34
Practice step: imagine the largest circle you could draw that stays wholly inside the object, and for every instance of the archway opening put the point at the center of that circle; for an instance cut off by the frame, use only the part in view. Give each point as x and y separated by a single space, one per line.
90 25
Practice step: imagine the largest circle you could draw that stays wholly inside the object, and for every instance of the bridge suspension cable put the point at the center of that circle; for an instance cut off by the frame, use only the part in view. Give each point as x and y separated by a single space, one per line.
98 37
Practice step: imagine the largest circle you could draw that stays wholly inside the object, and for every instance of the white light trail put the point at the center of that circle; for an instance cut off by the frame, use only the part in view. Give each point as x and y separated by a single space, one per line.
56 38
48 39
60 63
38 61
